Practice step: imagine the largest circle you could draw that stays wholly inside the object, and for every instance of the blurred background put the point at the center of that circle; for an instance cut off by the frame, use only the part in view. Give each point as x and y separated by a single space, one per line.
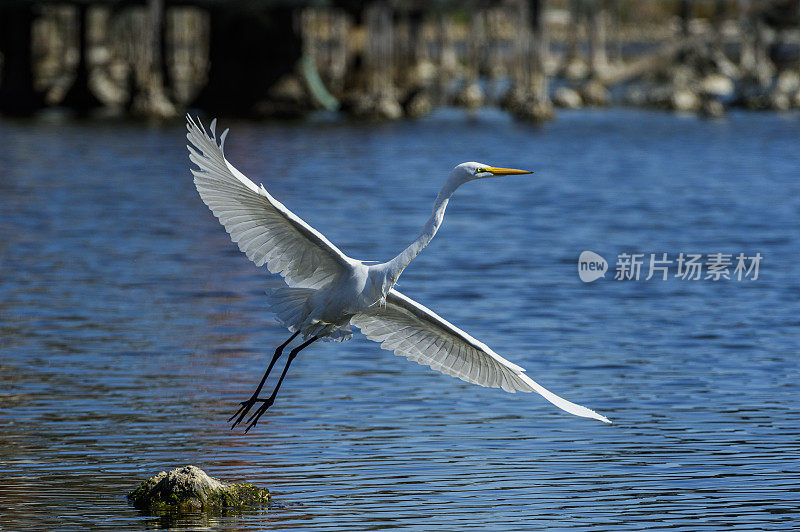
131 326
390 59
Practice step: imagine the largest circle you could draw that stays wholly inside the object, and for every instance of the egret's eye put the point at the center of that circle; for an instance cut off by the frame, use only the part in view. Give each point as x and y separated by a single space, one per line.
481 170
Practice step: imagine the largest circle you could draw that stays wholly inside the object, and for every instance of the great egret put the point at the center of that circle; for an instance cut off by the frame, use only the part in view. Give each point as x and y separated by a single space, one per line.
326 291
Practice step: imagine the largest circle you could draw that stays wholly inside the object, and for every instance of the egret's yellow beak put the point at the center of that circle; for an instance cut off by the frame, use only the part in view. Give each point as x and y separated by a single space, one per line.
506 171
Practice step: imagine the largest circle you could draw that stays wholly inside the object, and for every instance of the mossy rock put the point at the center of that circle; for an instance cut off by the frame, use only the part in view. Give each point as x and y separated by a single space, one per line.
189 490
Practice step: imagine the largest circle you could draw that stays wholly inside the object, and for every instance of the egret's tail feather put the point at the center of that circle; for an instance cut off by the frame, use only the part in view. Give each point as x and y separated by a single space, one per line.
292 310
289 305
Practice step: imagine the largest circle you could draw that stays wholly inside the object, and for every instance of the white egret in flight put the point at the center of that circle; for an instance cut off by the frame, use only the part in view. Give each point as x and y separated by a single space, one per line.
326 291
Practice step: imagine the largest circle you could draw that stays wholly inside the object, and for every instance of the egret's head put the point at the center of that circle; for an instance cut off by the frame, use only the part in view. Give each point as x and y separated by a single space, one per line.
472 170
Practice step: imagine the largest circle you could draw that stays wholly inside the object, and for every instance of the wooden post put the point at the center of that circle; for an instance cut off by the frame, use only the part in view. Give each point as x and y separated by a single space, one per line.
80 97
477 40
754 59
152 100
529 98
573 39
379 62
418 77
471 95
157 50
541 50
686 16
338 66
597 37
717 19
747 56
447 57
378 56
616 28
17 93
522 51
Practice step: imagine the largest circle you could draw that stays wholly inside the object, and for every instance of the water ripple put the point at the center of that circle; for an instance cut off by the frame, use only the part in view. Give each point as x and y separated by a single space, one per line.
130 326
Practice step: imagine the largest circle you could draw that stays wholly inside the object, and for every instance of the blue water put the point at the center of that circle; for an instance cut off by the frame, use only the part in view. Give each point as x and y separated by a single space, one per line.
130 326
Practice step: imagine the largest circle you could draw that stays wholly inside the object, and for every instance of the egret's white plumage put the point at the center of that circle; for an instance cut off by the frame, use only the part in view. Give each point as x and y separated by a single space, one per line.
326 291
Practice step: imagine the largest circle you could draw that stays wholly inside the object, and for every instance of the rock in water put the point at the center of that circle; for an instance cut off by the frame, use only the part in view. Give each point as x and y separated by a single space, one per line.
568 98
471 97
684 100
595 94
190 489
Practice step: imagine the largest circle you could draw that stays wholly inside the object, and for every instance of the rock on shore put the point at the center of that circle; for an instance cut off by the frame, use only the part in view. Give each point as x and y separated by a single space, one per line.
190 489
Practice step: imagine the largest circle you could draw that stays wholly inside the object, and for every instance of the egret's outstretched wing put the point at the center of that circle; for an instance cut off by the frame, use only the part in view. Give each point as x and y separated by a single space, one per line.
417 333
266 231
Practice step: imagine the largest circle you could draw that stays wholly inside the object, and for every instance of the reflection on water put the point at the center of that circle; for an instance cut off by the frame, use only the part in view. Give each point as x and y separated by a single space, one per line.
130 326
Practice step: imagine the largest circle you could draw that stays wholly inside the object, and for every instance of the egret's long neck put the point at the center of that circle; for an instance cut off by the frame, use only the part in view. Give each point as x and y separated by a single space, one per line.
396 266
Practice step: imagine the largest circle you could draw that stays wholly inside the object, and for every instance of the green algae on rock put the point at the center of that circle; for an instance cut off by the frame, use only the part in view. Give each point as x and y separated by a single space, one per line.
190 489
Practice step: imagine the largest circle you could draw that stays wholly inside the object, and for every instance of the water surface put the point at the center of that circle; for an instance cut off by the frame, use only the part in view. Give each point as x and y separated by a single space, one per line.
130 326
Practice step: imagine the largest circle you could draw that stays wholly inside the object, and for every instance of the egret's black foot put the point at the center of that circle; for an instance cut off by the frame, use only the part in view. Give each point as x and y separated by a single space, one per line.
244 408
253 420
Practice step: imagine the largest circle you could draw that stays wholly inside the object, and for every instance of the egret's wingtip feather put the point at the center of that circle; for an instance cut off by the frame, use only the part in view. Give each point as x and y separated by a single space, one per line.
560 402
201 127
600 417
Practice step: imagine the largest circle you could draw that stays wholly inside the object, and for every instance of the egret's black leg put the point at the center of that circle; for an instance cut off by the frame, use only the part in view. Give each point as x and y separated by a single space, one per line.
245 406
253 419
